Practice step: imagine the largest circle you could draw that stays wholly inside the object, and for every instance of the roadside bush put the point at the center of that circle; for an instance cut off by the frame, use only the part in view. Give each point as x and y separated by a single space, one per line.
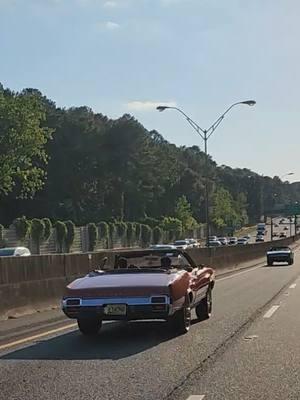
22 227
37 232
121 228
2 241
138 231
103 232
157 235
48 227
145 235
112 231
130 234
70 234
61 234
93 235
1 232
152 222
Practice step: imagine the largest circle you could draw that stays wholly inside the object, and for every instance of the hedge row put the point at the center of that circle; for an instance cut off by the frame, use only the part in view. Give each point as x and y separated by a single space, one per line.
129 232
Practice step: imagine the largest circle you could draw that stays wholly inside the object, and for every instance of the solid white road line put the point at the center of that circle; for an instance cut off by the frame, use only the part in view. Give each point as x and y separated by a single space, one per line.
34 337
293 286
196 397
240 273
271 311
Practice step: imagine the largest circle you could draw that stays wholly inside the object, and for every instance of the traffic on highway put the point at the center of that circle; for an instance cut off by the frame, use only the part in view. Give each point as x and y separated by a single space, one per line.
150 359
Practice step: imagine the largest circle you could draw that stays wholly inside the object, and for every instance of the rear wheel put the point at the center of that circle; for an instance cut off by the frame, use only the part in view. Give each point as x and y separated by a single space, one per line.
291 261
180 322
204 308
270 262
89 326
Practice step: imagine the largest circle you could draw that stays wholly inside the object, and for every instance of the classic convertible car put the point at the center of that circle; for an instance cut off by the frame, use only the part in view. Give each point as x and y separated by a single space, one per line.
280 254
142 284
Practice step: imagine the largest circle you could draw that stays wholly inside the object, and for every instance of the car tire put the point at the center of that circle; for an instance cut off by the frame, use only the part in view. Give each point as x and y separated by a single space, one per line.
291 262
181 321
204 308
270 262
89 326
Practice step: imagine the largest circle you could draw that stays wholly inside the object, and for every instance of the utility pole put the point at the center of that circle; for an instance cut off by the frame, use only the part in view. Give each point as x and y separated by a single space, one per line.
271 229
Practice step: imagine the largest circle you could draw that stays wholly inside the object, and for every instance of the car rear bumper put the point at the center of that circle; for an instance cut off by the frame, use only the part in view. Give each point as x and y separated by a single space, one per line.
143 308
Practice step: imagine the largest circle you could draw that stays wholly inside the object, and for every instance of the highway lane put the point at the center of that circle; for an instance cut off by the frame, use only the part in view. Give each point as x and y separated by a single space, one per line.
262 363
139 360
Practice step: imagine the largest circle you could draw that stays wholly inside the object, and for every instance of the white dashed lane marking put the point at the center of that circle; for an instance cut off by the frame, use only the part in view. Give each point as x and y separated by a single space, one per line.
293 286
271 311
196 397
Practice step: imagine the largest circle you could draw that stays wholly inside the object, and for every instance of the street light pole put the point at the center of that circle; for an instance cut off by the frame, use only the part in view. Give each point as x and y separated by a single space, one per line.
205 134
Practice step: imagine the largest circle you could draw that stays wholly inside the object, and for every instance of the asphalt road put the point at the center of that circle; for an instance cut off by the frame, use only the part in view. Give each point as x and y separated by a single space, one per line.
237 354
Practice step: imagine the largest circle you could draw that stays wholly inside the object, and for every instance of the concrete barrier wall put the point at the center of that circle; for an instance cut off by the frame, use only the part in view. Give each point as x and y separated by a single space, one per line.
36 282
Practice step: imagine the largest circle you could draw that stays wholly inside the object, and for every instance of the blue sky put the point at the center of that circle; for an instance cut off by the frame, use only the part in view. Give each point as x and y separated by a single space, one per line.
120 56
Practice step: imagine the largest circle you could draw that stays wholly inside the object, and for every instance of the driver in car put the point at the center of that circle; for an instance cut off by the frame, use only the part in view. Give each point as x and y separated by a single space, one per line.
166 262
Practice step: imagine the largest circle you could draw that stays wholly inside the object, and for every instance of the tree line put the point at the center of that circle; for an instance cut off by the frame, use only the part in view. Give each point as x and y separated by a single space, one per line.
75 164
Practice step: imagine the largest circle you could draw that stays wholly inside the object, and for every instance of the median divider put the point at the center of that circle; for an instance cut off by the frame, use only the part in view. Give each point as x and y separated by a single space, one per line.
29 284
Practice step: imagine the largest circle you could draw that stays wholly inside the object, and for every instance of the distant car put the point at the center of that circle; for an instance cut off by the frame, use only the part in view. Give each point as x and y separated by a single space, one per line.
247 236
276 225
232 240
162 247
242 241
182 244
261 233
212 238
283 235
280 254
275 234
285 228
192 242
214 243
260 238
14 252
223 240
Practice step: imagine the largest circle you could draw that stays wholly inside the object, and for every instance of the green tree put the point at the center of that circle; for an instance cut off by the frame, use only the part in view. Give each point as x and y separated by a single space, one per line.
223 214
184 213
22 144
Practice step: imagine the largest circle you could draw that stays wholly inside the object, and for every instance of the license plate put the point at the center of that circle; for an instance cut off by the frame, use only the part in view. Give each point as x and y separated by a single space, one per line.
115 309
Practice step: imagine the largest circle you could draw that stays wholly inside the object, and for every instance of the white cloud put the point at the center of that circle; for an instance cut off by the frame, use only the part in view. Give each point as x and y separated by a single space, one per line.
110 4
111 25
107 25
138 105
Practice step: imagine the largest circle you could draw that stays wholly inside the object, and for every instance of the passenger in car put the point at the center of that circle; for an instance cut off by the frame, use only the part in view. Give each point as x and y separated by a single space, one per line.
122 262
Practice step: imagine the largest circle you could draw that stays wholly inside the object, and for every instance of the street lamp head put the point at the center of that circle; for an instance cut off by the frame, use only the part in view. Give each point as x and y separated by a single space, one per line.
162 108
249 102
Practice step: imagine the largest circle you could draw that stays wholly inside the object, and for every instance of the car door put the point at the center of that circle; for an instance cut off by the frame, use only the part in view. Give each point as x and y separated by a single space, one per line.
201 278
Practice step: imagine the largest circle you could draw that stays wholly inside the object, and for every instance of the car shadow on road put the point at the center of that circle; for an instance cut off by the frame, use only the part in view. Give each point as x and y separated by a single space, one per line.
278 266
114 342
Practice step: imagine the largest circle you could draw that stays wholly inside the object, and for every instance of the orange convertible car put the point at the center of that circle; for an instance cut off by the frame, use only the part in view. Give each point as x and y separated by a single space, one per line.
142 284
